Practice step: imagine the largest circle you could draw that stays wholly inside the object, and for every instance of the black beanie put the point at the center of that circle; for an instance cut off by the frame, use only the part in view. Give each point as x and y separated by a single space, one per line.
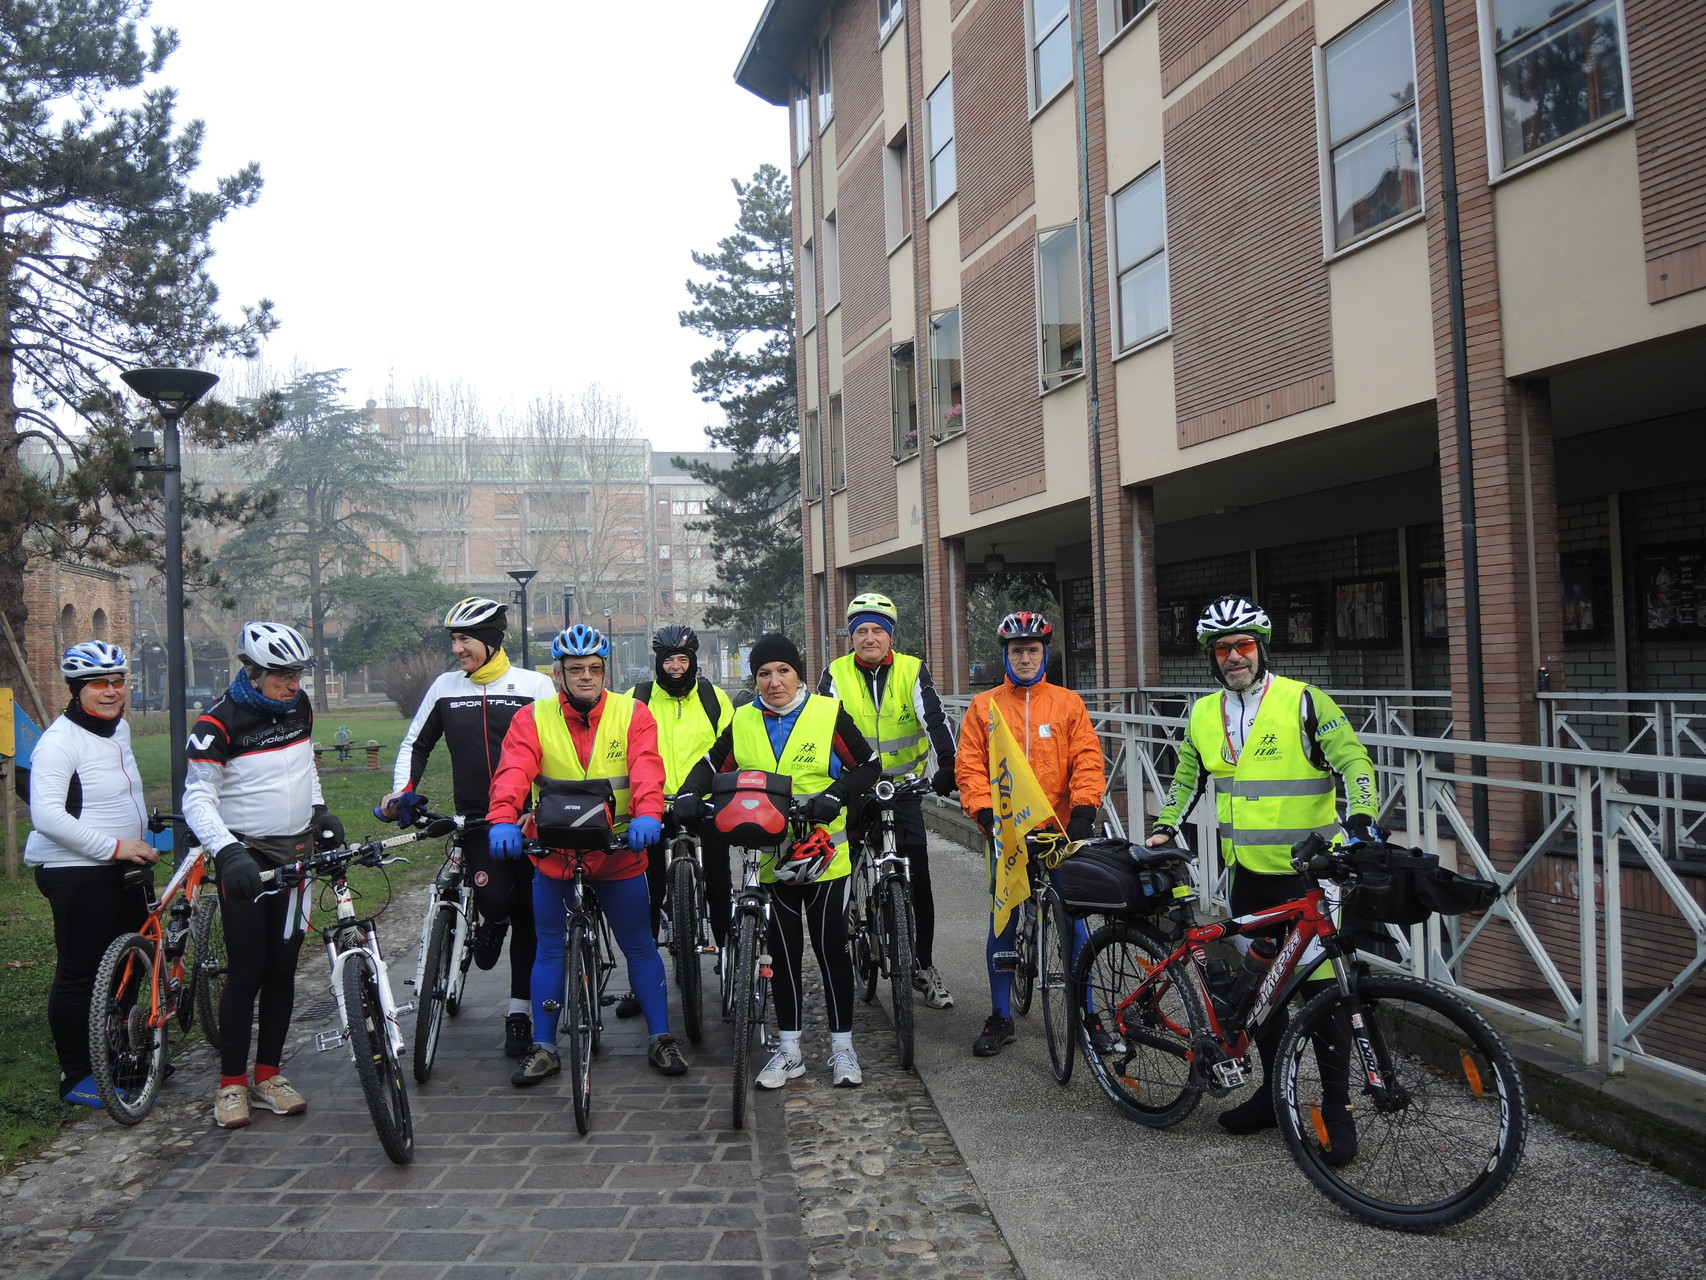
775 647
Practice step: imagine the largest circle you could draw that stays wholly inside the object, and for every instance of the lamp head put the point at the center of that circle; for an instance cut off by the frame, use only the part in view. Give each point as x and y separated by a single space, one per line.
171 391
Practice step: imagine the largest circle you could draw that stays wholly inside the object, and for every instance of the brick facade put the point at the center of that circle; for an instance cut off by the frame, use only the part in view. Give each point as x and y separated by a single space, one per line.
68 603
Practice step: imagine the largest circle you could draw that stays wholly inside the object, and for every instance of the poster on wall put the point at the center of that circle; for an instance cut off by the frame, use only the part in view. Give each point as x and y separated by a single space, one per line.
1176 622
1578 587
1671 582
1365 611
1431 607
1295 613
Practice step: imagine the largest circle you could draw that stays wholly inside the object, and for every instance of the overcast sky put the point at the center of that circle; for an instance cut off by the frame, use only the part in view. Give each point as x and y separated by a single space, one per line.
504 195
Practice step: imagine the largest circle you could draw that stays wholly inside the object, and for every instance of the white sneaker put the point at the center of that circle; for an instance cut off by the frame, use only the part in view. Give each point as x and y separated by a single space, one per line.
844 1067
936 993
781 1068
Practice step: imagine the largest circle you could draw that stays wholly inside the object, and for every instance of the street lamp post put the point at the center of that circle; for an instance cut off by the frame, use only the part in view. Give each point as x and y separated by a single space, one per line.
522 578
171 391
609 665
568 604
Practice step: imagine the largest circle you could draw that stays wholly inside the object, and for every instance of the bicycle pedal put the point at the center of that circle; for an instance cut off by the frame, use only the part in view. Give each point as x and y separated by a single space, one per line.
1006 961
551 1006
405 1008
328 1040
1229 1075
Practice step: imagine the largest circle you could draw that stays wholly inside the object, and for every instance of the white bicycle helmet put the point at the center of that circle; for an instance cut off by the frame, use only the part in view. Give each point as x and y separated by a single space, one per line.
93 658
272 646
1231 614
475 611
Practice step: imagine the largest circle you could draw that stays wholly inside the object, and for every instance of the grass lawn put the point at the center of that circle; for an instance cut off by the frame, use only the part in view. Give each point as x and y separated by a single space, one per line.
30 1110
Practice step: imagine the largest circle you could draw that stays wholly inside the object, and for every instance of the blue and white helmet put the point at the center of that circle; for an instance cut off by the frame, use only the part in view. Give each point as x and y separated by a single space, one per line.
93 658
272 646
580 641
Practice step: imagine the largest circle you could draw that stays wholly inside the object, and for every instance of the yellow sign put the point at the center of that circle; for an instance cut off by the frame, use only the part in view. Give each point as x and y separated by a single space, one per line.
1020 807
8 734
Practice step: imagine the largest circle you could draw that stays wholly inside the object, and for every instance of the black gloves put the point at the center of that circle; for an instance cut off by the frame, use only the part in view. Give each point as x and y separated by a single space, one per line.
239 874
824 808
1359 826
944 783
687 808
1083 822
328 829
985 819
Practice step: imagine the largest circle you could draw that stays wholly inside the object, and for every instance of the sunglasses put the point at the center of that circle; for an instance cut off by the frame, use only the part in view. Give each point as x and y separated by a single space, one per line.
115 682
1226 648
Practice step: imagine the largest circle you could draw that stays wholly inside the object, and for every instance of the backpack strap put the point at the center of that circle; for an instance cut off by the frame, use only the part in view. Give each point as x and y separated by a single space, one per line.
1311 725
708 696
643 692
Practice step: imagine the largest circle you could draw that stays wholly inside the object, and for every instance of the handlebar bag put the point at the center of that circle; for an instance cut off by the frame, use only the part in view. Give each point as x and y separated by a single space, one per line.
1405 886
574 814
750 807
1450 894
1111 878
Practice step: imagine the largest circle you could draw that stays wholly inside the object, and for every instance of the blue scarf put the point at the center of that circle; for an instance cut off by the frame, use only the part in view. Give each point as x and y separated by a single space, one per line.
245 695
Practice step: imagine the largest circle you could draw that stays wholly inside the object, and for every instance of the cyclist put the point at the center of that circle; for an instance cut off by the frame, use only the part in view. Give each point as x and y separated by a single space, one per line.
691 712
788 730
471 708
1272 745
252 795
1053 727
88 819
892 698
581 733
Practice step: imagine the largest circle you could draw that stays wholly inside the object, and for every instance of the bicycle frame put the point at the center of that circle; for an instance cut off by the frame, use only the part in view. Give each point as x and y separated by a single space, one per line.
336 936
186 880
460 901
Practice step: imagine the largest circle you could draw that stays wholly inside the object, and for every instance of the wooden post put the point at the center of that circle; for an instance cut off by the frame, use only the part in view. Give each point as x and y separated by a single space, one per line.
24 670
8 770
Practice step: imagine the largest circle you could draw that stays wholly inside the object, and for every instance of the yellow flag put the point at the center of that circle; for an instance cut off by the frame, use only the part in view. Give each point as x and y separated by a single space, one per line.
1020 806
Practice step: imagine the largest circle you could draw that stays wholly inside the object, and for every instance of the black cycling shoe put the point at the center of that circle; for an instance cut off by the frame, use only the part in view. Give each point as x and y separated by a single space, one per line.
1341 1145
628 1006
489 942
518 1034
997 1031
665 1055
1252 1115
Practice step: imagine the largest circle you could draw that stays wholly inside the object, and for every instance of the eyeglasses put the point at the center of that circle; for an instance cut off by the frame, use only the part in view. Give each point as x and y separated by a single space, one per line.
584 669
1226 648
115 682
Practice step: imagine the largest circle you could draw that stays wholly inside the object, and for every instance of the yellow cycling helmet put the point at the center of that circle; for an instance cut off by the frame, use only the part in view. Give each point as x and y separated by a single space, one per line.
872 606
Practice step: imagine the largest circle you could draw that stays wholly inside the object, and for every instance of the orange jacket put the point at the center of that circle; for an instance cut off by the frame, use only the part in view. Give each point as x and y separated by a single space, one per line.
1053 726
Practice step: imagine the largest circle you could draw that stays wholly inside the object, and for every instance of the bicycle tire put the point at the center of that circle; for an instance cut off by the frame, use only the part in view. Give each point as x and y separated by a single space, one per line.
1448 1141
898 932
1025 943
127 1055
1149 1076
861 932
432 999
684 915
376 1066
1057 988
578 1019
208 961
743 991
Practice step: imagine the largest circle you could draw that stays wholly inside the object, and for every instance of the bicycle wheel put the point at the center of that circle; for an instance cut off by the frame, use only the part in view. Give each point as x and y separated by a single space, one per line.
207 958
1442 1136
577 1020
462 954
1058 990
128 1055
1142 1062
684 915
861 935
432 999
743 987
897 937
376 1066
1025 943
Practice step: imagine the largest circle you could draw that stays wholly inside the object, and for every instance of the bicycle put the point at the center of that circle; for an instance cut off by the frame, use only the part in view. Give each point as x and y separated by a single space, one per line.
880 924
445 950
689 927
1042 954
1437 1119
145 983
369 1019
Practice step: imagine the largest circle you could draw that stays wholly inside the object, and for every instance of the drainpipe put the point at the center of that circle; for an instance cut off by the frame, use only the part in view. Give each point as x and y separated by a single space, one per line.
1460 399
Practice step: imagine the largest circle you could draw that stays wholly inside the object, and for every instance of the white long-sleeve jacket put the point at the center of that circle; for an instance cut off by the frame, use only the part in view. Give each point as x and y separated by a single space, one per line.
85 796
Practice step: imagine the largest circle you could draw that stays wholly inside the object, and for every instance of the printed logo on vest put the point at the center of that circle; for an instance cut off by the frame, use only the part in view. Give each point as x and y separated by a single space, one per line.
1045 731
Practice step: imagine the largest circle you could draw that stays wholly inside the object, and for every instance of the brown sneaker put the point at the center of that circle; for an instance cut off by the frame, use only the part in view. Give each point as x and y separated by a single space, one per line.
278 1096
231 1107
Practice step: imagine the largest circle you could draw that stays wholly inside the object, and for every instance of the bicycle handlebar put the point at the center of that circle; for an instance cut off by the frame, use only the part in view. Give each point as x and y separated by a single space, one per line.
370 854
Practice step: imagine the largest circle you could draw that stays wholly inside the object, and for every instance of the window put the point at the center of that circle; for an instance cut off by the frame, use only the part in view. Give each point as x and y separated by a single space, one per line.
888 13
508 551
903 400
695 551
897 192
808 287
825 87
831 242
837 447
942 178
947 410
663 551
1140 259
1051 48
1117 15
1560 69
1374 163
1060 313
812 445
506 506
802 120
680 597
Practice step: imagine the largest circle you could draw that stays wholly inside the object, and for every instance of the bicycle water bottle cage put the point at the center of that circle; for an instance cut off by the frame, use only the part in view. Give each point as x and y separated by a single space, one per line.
1006 961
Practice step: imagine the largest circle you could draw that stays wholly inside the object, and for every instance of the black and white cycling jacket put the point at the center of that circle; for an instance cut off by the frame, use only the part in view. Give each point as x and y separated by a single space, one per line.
251 772
85 796
472 719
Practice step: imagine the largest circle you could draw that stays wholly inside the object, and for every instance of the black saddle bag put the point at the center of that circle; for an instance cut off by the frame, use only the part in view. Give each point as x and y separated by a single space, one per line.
1114 878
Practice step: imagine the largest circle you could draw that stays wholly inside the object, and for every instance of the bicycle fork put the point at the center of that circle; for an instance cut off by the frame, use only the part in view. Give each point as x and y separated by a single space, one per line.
392 1011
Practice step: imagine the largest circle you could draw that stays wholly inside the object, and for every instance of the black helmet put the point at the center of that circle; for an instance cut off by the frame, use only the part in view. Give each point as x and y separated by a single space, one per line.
675 639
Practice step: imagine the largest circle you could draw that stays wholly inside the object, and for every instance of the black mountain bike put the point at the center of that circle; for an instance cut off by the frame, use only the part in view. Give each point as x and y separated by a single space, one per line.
689 929
880 925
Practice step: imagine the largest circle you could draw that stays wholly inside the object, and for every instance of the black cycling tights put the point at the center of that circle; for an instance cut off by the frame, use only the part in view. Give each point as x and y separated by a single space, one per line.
262 962
824 906
503 890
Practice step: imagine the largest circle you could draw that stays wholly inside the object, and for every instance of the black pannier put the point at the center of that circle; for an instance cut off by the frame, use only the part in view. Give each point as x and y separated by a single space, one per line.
750 807
1112 878
1405 886
574 814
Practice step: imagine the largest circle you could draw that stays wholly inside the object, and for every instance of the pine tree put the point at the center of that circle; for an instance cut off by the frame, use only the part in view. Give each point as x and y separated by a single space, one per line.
104 248
747 308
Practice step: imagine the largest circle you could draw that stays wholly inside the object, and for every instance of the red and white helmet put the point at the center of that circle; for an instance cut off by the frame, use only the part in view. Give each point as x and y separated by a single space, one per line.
807 860
1024 625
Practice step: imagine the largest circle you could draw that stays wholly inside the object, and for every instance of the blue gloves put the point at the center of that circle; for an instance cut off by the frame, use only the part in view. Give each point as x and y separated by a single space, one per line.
644 832
504 840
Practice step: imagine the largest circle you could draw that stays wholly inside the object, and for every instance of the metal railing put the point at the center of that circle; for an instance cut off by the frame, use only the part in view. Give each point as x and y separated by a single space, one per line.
1595 985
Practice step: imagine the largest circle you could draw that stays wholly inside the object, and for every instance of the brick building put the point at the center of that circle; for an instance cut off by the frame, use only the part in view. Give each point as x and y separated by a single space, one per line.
68 603
1196 309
